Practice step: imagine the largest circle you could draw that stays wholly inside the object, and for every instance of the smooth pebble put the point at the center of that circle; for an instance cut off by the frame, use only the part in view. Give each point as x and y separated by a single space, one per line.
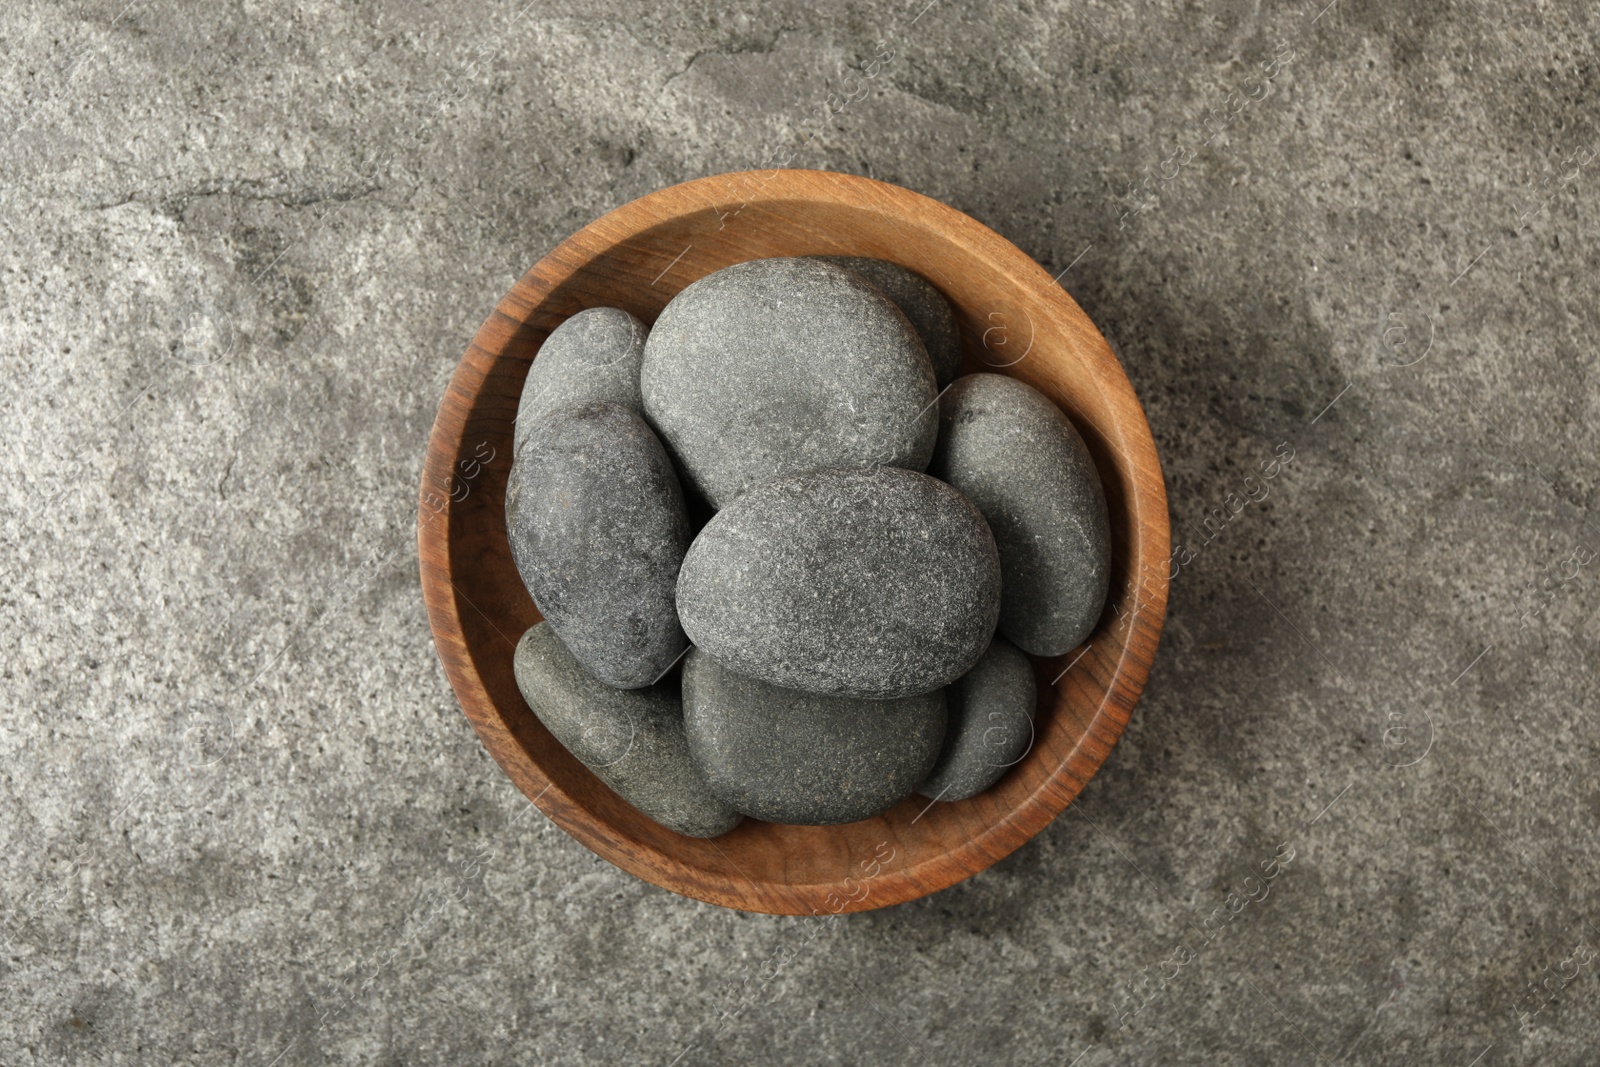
633 740
871 582
991 724
598 531
805 758
1020 460
593 355
775 367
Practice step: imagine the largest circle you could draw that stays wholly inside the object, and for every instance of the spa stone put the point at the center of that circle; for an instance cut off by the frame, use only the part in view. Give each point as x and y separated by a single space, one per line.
874 582
598 531
633 740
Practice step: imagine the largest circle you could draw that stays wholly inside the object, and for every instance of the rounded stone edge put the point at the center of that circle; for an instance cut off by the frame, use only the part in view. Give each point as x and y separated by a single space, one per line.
672 648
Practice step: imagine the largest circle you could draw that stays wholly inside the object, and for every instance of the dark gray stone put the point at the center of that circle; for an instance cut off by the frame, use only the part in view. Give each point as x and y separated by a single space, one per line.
788 756
593 355
991 724
929 312
598 530
1019 459
872 582
780 366
632 739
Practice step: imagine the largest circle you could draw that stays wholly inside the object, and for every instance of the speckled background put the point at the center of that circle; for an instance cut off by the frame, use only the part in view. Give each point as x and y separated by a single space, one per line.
242 247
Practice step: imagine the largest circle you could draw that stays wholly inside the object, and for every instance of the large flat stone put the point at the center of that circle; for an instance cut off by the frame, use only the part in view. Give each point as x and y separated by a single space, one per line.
775 367
874 582
783 755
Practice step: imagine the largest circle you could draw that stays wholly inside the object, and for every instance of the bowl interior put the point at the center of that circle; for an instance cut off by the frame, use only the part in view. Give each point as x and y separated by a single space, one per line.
1014 320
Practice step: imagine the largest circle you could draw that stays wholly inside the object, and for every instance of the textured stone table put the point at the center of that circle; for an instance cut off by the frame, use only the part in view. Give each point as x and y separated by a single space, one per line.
241 250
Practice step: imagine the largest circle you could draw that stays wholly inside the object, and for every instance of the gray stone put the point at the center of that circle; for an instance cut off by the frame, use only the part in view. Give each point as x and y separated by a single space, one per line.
632 739
598 530
810 758
593 355
1019 459
871 582
991 724
929 312
780 366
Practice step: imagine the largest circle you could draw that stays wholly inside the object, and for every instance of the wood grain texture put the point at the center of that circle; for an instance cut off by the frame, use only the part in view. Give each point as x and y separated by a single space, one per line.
1015 320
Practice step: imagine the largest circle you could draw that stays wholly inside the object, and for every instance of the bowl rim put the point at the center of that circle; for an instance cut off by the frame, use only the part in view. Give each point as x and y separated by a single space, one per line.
1122 674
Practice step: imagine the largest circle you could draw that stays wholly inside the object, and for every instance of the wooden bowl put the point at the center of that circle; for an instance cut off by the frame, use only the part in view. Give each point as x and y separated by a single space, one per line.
1015 320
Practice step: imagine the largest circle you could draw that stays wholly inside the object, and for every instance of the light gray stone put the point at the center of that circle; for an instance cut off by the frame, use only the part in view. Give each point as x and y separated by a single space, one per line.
593 355
788 756
991 724
598 531
1021 461
929 312
873 582
632 739
775 367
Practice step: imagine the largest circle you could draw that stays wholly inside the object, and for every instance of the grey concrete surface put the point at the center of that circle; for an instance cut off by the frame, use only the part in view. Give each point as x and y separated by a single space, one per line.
241 248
